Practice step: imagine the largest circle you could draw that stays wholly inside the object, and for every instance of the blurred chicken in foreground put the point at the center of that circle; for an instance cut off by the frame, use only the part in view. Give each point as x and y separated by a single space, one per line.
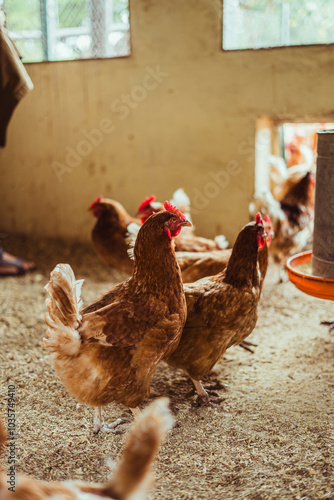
109 351
132 475
221 309
292 218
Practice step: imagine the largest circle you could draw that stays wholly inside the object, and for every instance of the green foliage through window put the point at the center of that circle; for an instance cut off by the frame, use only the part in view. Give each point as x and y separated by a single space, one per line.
56 30
254 24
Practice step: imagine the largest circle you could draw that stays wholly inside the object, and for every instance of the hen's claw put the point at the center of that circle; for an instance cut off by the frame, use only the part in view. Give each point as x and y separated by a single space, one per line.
100 426
246 345
203 398
217 386
212 393
328 323
103 427
205 401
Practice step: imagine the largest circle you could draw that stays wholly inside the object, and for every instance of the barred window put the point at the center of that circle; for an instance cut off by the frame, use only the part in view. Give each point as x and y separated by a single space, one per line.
255 24
60 30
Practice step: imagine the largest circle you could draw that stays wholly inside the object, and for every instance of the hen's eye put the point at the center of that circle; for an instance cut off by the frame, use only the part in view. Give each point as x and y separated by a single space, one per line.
173 219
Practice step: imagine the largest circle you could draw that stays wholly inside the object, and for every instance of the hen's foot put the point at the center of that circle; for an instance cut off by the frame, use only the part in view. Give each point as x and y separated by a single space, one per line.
206 402
217 386
203 398
100 426
13 266
283 276
212 393
103 427
328 323
247 346
208 392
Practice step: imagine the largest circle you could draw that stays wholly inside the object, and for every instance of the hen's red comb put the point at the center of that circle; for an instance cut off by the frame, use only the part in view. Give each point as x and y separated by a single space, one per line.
95 202
146 202
259 219
170 208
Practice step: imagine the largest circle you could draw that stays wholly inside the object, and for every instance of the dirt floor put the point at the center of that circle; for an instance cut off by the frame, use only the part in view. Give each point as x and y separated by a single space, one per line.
272 438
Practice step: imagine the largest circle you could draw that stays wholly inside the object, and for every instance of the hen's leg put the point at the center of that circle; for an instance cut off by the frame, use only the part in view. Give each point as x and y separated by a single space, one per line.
97 420
200 389
203 398
99 425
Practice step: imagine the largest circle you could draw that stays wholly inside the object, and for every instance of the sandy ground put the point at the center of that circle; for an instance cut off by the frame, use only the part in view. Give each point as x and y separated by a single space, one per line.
271 439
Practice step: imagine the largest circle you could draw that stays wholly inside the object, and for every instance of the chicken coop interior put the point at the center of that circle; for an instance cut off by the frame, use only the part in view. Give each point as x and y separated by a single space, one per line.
166 249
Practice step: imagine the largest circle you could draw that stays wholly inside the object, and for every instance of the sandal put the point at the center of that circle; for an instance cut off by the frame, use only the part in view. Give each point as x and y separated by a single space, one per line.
14 262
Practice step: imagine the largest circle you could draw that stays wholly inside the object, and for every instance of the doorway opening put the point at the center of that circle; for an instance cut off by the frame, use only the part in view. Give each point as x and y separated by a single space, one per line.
284 150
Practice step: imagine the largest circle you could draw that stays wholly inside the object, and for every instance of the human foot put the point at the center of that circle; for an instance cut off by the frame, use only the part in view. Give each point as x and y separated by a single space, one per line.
13 266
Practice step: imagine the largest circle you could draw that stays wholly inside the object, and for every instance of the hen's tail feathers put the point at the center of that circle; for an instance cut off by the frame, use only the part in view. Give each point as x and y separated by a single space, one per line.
221 241
63 316
132 478
132 232
182 201
265 203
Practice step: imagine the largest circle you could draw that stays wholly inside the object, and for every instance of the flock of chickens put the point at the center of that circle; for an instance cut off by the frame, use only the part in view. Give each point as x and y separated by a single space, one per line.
187 300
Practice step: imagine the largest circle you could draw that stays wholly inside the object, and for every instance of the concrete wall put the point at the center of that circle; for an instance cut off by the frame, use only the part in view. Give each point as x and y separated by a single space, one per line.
191 116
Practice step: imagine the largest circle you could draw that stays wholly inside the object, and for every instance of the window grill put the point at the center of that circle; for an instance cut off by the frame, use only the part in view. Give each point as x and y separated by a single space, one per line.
56 30
255 24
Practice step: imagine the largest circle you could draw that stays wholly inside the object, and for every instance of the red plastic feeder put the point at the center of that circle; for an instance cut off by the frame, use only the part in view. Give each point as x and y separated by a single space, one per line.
323 288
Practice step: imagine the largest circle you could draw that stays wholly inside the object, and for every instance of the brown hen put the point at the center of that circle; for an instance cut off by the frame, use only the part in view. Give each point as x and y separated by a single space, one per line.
292 219
109 351
110 232
222 309
294 227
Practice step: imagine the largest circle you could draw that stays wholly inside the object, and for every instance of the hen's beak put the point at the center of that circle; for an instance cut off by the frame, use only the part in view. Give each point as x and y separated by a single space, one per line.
186 223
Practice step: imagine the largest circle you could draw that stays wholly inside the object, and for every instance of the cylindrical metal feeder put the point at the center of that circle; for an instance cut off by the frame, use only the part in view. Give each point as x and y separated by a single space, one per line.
323 238
321 282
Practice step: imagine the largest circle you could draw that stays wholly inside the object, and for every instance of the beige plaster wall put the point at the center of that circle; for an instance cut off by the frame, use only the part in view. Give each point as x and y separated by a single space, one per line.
194 119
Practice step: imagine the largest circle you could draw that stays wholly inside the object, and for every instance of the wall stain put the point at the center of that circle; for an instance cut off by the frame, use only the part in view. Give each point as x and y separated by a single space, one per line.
91 169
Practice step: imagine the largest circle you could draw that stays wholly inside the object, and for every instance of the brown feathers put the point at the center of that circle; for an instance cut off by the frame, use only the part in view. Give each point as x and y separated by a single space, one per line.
119 340
110 232
197 265
222 309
